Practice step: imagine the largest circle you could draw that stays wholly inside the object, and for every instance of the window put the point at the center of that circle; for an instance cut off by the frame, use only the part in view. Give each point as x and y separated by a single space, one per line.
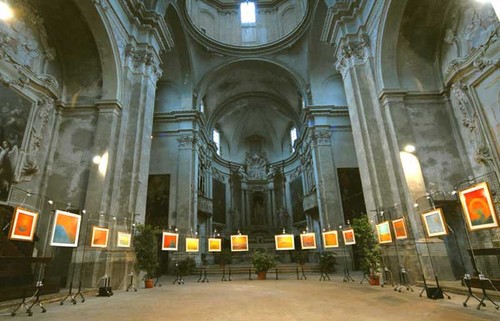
202 106
293 137
247 12
216 138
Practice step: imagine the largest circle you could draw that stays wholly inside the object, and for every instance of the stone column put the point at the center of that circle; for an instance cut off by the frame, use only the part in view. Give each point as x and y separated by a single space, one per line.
186 180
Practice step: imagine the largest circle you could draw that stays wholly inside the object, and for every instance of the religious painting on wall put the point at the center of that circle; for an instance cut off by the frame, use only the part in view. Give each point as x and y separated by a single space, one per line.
192 244
349 238
330 239
14 115
123 239
399 229
284 242
66 229
308 241
297 196
434 223
23 225
239 243
169 241
384 232
157 201
478 207
219 201
214 245
99 236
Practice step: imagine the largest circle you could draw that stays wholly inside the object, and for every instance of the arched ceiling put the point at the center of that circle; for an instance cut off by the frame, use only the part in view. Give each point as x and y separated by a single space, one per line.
252 98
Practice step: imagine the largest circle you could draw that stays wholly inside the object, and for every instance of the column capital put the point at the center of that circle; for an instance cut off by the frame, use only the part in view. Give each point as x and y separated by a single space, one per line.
352 52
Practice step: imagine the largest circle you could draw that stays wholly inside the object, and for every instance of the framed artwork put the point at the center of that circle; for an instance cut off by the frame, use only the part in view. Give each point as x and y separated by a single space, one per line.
349 238
308 241
192 244
214 245
399 229
434 223
384 233
23 225
169 241
66 229
239 243
478 207
123 239
284 242
99 236
330 239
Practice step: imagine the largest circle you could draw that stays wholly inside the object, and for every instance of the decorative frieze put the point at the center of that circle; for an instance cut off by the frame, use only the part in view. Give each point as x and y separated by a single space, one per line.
186 141
143 60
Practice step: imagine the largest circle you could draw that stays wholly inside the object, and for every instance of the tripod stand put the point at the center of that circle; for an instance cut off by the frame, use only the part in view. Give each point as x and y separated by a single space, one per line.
347 276
131 284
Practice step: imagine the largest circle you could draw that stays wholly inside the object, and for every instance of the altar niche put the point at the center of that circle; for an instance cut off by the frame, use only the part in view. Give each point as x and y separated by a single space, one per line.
259 213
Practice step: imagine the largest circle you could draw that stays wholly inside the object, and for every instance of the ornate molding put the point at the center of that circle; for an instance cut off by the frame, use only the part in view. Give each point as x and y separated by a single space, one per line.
322 138
143 60
353 53
186 141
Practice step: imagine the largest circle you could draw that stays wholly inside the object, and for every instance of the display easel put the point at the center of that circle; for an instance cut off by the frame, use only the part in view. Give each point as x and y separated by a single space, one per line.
79 292
436 292
178 274
347 277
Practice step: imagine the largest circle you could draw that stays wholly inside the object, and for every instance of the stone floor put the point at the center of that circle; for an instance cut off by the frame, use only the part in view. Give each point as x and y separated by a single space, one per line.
281 300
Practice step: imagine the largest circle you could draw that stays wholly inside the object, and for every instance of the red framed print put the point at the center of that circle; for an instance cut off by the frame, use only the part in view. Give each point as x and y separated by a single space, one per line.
478 207
214 245
399 229
330 239
169 241
308 241
23 225
434 223
349 238
284 242
99 236
192 244
66 229
123 239
384 233
239 243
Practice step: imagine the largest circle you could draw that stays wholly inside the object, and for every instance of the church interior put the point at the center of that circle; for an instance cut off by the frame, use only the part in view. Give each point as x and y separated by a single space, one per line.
327 136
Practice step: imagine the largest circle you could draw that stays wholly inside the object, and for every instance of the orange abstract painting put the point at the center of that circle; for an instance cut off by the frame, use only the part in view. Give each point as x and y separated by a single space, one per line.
169 241
330 239
192 244
66 229
23 225
214 245
239 243
478 207
99 237
349 238
399 229
284 242
308 241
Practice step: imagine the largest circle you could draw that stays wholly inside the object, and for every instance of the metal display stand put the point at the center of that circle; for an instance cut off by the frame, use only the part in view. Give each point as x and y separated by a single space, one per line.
203 276
131 284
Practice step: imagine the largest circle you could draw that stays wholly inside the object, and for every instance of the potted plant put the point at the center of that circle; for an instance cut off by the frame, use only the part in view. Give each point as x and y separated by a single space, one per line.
367 249
146 253
262 262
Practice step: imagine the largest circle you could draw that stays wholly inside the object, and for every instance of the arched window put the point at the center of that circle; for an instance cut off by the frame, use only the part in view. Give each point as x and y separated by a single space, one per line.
293 137
216 138
247 12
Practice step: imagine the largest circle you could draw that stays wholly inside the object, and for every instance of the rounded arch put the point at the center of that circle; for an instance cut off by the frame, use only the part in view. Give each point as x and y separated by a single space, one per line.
107 47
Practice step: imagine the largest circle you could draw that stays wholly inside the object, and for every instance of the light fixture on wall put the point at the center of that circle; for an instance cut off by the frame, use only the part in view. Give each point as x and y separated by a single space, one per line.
6 12
409 148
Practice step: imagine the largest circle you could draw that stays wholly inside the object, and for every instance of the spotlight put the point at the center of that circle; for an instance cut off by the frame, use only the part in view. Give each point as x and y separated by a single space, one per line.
415 205
453 192
84 211
51 202
96 160
409 148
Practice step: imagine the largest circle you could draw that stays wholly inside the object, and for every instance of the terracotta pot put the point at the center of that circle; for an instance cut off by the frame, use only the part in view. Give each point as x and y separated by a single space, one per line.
374 280
149 283
262 275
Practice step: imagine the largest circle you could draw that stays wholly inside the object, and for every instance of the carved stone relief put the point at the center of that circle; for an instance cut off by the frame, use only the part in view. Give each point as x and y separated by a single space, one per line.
352 53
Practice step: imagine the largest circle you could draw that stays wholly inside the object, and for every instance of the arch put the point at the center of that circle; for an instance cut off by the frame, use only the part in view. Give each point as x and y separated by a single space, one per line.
107 47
